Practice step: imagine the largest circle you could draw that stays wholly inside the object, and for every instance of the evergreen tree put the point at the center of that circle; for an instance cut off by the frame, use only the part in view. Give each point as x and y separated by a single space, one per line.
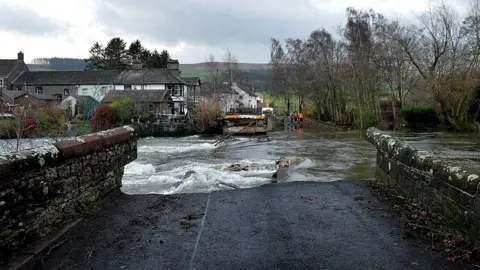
135 51
115 54
96 59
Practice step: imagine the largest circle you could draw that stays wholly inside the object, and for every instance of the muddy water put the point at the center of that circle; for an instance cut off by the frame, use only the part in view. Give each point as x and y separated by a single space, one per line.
320 156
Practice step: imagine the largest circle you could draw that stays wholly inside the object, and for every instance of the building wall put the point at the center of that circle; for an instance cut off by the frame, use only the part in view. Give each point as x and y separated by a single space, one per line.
69 102
98 92
44 188
52 89
29 100
154 87
227 101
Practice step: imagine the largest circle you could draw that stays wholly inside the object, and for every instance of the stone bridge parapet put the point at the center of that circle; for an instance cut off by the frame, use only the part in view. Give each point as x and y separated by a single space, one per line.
448 190
42 189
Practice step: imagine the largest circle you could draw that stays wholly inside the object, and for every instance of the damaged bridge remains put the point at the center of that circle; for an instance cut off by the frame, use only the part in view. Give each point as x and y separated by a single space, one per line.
447 190
44 188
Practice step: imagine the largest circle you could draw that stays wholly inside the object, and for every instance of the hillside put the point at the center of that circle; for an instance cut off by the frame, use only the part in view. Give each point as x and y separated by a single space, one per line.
254 71
79 64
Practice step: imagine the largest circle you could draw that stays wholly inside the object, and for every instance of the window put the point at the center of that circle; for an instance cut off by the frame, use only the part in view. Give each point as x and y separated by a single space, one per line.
240 97
66 92
151 108
128 87
39 90
59 96
1 82
169 86
19 88
85 92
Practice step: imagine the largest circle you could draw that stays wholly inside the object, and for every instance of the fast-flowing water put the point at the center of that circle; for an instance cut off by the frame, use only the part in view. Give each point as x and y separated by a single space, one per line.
163 162
319 156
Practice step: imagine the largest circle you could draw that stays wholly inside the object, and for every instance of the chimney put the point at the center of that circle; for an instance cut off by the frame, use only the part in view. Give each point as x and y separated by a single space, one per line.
174 67
137 65
21 56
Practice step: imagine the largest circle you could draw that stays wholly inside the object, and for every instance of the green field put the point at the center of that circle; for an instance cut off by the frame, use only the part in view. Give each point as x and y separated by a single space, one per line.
279 102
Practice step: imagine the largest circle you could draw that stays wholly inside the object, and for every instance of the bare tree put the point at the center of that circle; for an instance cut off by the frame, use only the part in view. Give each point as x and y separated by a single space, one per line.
214 75
230 64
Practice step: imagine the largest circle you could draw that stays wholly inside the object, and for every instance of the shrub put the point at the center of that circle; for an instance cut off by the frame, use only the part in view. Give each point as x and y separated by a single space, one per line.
29 125
102 119
51 121
124 109
369 119
420 118
80 117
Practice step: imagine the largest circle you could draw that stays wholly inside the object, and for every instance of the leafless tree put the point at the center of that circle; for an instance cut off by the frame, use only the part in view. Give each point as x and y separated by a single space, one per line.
213 77
230 65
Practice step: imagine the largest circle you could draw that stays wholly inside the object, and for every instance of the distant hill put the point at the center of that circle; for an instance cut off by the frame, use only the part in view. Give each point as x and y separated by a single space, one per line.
255 71
79 64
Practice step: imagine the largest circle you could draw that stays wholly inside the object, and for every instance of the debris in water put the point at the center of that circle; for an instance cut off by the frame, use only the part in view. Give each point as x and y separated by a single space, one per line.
238 167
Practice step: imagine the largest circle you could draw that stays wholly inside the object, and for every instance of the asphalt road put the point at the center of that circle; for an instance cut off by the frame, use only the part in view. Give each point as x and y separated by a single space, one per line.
302 225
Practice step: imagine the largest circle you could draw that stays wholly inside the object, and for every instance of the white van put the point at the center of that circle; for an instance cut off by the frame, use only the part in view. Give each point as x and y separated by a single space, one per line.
267 109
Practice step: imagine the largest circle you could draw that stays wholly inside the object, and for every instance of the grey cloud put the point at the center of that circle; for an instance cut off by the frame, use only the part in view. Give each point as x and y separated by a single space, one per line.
26 21
244 26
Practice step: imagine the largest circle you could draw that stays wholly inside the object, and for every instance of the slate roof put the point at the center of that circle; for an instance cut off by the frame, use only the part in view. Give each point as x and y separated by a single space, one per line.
77 77
7 65
191 80
225 89
11 94
148 76
141 96
40 96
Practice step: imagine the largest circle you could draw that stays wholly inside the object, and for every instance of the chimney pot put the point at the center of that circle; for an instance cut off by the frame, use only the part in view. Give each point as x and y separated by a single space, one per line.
21 56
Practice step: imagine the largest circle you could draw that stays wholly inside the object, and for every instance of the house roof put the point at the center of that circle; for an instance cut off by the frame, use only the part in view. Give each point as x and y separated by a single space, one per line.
192 80
148 76
247 89
77 77
225 89
39 96
7 65
239 102
11 94
146 96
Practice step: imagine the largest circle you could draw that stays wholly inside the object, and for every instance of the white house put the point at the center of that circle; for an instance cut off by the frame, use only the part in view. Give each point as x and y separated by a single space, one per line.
155 79
248 98
69 102
228 98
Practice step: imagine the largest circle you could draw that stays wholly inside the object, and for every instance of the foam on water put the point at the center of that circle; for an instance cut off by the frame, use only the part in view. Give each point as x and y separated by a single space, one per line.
180 148
136 168
168 179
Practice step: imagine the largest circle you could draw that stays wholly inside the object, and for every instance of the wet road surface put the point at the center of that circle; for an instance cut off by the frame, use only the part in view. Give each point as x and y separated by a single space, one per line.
300 225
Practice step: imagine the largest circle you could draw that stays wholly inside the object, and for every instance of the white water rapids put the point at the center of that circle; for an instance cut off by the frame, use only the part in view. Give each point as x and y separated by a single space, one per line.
162 163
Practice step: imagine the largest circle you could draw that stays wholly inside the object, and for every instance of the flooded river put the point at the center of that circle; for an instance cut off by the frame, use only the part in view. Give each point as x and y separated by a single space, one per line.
163 162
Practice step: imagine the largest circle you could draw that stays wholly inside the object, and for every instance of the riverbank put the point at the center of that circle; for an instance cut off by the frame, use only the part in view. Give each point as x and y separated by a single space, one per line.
335 225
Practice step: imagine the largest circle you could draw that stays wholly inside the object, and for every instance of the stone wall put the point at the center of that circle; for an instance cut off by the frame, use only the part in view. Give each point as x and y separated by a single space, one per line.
447 190
43 188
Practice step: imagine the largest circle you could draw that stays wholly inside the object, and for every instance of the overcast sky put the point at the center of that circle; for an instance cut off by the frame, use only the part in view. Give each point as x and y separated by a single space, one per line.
188 29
